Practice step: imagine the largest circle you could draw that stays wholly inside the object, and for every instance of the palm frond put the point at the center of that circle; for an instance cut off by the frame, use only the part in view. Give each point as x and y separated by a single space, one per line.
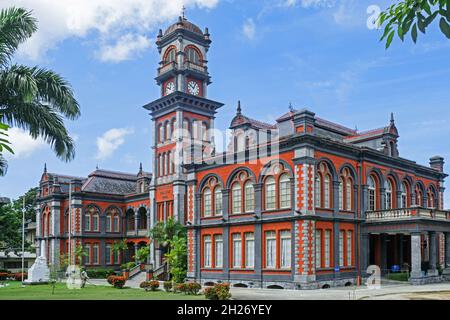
16 26
39 120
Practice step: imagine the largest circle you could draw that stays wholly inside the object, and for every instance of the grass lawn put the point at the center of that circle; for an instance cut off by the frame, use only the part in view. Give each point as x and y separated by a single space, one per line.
15 291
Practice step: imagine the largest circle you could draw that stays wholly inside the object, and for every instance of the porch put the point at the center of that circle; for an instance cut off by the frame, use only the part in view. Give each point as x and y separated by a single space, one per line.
414 240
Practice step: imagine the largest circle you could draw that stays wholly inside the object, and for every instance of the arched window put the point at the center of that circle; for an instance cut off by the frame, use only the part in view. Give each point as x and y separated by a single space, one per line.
277 188
372 193
193 55
142 214
431 198
212 198
207 202
218 201
168 130
161 133
419 196
285 191
130 220
186 129
170 55
341 194
346 190
116 223
388 194
270 195
91 219
236 192
249 197
404 195
324 193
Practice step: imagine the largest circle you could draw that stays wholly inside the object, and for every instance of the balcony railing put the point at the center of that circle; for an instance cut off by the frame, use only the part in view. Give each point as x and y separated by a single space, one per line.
407 214
187 65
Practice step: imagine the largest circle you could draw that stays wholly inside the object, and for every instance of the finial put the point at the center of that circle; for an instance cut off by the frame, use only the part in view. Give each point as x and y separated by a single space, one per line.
291 108
96 167
45 167
239 110
160 33
183 10
140 167
392 118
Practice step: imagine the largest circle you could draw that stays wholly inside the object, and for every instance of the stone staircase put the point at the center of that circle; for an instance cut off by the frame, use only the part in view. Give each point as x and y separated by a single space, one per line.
136 280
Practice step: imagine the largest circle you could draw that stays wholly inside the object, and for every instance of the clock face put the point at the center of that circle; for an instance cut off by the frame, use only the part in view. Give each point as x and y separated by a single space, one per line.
193 88
170 87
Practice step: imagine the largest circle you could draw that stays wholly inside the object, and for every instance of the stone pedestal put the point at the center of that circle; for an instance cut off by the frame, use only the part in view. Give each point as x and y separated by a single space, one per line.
39 272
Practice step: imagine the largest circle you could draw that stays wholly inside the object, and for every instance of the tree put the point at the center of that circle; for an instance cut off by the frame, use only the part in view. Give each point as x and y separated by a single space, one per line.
164 233
80 252
32 98
10 229
413 16
177 259
142 254
30 204
4 145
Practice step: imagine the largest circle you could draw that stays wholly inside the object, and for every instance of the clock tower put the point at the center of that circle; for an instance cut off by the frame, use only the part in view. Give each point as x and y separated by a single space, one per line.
183 120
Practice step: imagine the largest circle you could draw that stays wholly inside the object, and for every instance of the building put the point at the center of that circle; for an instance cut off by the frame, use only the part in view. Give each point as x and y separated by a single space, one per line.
300 203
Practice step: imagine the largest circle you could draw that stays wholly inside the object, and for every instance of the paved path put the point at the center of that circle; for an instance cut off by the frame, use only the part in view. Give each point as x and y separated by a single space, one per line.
387 291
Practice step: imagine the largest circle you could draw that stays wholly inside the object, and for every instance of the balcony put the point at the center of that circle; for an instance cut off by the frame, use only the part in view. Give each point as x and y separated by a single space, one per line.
174 67
407 214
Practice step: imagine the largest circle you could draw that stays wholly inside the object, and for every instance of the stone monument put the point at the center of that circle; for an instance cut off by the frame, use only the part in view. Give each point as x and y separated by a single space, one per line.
39 272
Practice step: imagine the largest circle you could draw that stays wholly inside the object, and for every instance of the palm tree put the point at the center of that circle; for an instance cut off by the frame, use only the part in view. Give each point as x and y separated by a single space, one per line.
32 98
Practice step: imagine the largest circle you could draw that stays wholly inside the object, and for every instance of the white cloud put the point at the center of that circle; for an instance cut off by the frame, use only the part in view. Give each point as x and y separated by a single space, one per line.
310 3
124 49
23 144
110 141
249 29
107 20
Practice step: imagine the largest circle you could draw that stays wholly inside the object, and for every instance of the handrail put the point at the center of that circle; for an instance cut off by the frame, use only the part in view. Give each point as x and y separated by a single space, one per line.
133 271
407 213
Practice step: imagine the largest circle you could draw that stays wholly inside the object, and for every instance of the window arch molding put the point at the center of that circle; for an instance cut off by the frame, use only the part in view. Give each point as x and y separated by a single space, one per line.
210 189
325 179
241 186
92 212
197 51
405 193
347 188
391 191
432 196
275 177
168 53
420 193
374 195
115 215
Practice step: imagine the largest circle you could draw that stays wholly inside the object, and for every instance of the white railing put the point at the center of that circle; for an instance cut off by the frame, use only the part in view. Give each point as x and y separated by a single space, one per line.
186 66
134 271
406 213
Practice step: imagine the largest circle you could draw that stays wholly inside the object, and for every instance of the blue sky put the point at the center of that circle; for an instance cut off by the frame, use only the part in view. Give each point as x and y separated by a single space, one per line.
314 53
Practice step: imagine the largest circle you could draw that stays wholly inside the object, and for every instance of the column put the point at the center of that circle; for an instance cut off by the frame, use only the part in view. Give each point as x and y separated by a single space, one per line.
365 251
416 255
383 253
432 271
136 222
446 272
400 250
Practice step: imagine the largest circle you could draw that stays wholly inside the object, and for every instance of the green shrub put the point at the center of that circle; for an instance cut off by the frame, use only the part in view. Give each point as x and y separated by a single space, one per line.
220 291
128 265
167 285
3 276
18 276
100 273
400 276
149 285
118 281
180 288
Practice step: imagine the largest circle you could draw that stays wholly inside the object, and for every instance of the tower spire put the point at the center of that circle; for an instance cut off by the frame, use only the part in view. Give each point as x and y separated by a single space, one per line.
239 110
392 118
183 11
45 167
140 167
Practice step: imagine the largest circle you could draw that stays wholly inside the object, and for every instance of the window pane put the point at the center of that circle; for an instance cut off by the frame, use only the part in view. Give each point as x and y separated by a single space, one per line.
341 195
87 222
237 250
95 222
341 248
95 254
87 250
270 193
218 251
207 202
116 223
285 247
108 223
318 191
327 248
271 249
249 250
249 197
218 201
327 193
285 191
349 247
207 251
349 195
318 248
237 198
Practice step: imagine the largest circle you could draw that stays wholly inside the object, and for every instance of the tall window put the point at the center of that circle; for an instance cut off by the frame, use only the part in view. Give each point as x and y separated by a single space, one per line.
285 249
207 251
345 190
236 198
91 219
323 185
116 223
218 251
237 250
271 249
341 194
218 201
249 197
285 191
419 196
327 248
270 193
318 248
192 55
95 254
388 192
212 198
108 223
341 248
87 222
349 247
170 55
249 250
372 193
404 195
431 198
108 254
207 202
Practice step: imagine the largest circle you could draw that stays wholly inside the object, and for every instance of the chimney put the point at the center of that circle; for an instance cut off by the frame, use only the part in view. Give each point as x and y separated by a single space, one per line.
437 163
